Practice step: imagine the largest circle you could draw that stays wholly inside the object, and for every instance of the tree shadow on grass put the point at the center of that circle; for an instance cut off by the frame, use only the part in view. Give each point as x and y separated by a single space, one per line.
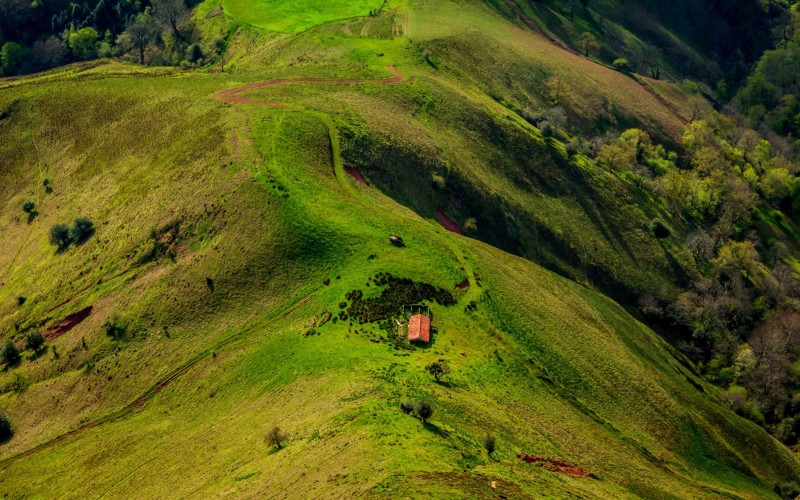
84 237
39 353
436 429
32 215
445 383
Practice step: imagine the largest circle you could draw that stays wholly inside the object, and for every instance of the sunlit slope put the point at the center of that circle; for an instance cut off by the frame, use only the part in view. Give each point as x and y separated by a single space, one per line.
182 405
290 16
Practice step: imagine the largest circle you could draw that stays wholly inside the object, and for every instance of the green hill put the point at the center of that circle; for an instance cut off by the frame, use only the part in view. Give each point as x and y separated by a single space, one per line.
213 302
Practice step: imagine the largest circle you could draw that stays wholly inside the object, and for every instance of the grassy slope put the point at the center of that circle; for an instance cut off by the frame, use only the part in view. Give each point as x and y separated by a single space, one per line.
546 365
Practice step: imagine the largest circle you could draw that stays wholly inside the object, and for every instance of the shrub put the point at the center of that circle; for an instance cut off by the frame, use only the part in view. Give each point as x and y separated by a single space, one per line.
9 354
83 43
546 129
82 229
276 437
573 148
59 235
34 341
489 443
785 432
6 431
622 64
407 408
194 53
115 327
28 207
424 410
659 229
438 369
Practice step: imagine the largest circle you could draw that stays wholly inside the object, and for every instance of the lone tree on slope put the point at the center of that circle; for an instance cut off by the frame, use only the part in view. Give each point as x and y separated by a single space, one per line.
9 354
276 437
438 369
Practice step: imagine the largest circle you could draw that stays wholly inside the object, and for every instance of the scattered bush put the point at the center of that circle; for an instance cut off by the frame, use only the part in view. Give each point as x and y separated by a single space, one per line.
546 129
573 147
489 443
276 437
34 341
82 229
59 236
21 300
622 64
6 431
28 207
659 229
407 407
438 369
9 354
115 327
424 410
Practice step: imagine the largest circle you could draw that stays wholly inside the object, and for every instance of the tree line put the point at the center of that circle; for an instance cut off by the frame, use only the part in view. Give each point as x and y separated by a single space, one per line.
47 33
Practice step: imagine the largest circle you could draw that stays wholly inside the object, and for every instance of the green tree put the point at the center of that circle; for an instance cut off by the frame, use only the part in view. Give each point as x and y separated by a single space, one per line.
622 64
34 340
11 56
424 411
28 207
438 369
9 354
6 431
588 43
59 235
83 43
489 443
276 437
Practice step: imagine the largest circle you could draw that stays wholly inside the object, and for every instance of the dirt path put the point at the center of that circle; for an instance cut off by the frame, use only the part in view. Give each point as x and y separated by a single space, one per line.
232 96
557 43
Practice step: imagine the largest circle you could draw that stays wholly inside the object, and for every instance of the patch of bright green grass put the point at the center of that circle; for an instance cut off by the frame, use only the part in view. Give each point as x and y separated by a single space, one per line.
291 16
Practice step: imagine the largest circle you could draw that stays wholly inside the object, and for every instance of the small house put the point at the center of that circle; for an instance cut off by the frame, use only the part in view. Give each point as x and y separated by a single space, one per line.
419 328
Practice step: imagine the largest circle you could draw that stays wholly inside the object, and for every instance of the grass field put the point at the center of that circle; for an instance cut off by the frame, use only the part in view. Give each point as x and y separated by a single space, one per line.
290 16
267 233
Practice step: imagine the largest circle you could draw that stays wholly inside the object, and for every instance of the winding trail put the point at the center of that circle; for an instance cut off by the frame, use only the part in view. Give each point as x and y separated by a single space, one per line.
232 96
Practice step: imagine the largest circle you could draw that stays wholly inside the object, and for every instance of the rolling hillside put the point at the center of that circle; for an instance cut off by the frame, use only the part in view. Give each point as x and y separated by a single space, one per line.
237 211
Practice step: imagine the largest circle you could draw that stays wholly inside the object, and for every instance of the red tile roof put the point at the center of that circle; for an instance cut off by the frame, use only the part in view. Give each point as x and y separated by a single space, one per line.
419 328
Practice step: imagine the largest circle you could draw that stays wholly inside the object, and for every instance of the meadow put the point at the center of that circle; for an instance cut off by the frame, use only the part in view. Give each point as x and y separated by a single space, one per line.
226 230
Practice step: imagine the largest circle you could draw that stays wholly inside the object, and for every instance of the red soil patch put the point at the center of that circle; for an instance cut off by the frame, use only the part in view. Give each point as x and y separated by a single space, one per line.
448 224
554 465
356 175
230 96
67 323
464 284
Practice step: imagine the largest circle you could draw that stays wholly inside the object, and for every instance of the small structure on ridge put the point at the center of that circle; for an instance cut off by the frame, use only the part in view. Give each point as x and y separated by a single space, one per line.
419 326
